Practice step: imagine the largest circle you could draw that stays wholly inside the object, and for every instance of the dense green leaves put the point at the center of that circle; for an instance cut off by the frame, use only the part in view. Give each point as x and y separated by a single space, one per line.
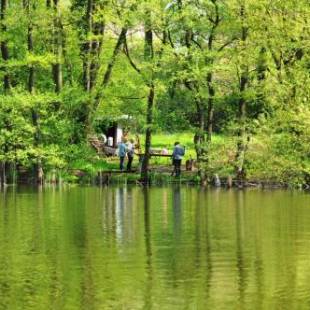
215 65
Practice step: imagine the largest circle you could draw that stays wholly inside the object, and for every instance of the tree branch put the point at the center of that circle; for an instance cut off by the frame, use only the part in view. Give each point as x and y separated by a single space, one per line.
226 44
126 52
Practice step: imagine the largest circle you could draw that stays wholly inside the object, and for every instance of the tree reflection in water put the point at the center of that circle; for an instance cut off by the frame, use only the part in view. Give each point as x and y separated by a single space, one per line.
162 248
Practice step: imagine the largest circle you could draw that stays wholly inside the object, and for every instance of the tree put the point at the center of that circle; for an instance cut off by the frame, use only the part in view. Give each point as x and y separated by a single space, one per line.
6 77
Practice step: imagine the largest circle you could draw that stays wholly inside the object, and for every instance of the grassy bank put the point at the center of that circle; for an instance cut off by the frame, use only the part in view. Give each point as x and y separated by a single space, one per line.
266 162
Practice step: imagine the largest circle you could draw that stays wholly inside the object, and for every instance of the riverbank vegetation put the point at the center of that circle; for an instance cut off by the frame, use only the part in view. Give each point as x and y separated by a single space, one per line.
230 76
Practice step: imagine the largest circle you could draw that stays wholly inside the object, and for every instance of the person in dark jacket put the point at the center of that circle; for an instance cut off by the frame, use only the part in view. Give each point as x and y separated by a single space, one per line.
177 155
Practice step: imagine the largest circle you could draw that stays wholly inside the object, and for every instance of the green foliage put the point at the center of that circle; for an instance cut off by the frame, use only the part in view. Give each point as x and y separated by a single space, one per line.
203 50
281 148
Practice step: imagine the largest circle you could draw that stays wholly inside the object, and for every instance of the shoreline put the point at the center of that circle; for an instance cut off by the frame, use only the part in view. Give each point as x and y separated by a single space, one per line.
106 178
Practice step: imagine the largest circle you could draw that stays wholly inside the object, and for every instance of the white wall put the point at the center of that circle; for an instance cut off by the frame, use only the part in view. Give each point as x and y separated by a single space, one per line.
119 134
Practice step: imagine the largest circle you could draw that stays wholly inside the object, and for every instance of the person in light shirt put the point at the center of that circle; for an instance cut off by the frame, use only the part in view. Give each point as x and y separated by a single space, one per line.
130 153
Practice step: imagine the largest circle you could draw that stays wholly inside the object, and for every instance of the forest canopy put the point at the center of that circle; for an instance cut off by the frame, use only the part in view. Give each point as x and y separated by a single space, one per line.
238 68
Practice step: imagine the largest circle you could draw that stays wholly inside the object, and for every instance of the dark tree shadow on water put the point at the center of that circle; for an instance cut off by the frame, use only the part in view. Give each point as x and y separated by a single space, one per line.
205 238
5 285
177 212
240 240
148 249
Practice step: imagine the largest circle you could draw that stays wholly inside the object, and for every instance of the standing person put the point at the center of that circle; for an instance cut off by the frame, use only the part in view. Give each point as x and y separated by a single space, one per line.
130 153
177 155
122 154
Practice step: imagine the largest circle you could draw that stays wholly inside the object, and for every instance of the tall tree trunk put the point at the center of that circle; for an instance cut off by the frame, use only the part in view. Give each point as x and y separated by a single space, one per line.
211 92
148 55
200 139
4 46
86 47
117 50
58 48
261 77
38 169
6 82
200 134
202 145
31 75
148 135
91 49
107 77
210 61
96 48
210 87
242 143
210 115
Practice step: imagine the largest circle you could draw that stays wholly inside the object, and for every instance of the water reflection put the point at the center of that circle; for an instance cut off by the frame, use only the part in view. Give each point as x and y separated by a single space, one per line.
177 211
120 205
148 250
165 206
161 248
241 263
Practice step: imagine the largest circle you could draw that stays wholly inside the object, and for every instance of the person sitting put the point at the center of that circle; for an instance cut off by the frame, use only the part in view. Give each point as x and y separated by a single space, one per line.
177 155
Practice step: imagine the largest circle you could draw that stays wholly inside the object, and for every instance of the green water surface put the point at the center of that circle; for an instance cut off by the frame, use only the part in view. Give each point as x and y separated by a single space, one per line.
157 248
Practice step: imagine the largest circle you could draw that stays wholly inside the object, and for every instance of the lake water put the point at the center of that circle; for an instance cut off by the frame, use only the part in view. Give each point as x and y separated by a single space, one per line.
157 248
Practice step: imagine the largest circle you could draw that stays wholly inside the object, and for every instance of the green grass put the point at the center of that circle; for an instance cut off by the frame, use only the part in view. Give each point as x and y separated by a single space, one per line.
221 151
264 161
161 140
167 140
